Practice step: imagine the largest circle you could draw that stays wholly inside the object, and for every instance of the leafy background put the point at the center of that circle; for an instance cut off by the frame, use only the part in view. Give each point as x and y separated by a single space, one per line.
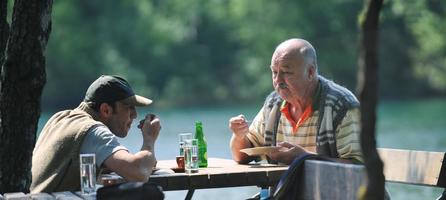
217 52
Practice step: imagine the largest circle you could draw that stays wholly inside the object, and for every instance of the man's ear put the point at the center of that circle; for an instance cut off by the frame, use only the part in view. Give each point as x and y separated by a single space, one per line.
311 72
105 110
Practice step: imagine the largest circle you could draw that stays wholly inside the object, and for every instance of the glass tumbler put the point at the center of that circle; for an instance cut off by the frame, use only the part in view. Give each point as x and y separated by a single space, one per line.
88 173
191 156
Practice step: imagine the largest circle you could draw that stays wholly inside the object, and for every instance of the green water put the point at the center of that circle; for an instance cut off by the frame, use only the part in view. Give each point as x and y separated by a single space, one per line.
417 125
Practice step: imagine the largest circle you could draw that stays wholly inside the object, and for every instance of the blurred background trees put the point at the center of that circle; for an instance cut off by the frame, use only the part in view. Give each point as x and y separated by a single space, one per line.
208 52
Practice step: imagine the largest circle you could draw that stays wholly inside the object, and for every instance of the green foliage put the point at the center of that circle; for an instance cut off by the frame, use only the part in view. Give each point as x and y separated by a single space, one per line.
218 51
425 22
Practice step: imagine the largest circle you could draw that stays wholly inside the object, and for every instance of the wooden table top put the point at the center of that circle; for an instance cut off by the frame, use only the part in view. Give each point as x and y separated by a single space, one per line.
219 173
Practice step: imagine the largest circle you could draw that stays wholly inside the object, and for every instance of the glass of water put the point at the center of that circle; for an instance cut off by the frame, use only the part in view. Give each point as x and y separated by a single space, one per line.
191 156
88 173
182 137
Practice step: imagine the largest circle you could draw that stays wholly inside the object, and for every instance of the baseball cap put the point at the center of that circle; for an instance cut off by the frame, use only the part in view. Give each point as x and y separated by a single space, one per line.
110 88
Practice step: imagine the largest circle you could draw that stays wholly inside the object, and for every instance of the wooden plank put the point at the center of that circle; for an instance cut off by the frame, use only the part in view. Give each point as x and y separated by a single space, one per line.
177 183
412 167
16 196
66 196
328 180
199 181
41 196
257 178
227 180
232 174
159 181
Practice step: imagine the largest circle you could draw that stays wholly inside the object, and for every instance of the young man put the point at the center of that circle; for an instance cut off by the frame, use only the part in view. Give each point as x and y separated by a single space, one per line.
107 111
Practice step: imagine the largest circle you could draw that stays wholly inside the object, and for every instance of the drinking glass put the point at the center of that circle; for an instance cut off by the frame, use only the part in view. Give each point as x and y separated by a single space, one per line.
182 137
191 156
88 173
180 162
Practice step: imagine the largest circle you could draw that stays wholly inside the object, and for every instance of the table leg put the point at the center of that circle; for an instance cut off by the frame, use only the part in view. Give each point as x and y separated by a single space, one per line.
189 194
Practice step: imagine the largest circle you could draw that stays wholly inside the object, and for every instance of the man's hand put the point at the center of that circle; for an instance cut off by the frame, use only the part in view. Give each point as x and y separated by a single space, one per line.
150 127
239 126
287 153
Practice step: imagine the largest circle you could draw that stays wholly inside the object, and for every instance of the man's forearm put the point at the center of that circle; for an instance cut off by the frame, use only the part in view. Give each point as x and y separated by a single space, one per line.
133 167
238 143
148 144
145 164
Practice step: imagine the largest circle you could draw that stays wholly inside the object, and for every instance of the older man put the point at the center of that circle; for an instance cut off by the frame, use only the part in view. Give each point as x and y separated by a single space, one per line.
107 111
305 114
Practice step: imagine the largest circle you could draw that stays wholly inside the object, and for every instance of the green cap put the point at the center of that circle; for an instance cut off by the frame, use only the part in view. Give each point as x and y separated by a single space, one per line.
111 89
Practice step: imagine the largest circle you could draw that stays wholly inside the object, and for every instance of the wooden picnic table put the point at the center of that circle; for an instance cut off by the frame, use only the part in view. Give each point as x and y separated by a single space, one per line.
219 173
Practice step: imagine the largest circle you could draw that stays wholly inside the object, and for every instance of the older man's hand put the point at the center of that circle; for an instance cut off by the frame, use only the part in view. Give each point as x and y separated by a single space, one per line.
287 153
239 126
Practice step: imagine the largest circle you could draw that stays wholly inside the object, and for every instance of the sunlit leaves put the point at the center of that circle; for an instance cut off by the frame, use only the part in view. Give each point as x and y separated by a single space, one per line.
426 22
183 52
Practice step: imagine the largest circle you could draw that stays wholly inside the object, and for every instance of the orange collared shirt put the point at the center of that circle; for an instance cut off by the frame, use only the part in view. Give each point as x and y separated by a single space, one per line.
285 109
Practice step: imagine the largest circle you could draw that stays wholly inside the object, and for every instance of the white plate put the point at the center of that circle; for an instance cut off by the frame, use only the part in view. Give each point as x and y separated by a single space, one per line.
256 151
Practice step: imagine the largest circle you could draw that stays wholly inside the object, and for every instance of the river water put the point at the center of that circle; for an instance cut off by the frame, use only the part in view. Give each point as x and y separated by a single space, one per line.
415 124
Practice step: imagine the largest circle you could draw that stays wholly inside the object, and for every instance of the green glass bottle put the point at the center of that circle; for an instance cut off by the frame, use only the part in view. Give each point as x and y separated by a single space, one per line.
202 145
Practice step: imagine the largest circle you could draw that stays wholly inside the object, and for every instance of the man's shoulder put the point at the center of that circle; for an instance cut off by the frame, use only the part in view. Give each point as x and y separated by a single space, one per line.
337 93
100 130
272 98
71 118
59 114
100 134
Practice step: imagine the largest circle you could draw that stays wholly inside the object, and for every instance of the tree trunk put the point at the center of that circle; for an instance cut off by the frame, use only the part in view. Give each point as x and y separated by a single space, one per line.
22 80
4 28
368 94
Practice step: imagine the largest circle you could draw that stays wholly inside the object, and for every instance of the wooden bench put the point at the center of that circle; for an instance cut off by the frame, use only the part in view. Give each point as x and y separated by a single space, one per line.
414 167
326 180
